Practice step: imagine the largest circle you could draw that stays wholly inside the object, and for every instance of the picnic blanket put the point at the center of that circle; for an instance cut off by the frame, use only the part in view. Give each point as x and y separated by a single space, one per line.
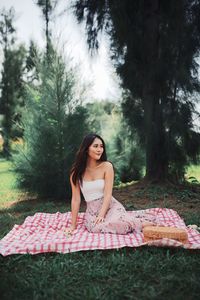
45 232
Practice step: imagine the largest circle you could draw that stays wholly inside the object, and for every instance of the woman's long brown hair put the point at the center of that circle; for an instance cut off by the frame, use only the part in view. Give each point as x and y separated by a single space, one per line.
80 163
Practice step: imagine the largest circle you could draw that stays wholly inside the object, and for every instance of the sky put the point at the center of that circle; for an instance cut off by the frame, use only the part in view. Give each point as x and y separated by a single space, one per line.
69 36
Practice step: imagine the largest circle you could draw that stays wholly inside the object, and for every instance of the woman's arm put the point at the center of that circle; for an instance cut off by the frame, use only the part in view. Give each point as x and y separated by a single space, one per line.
75 203
109 179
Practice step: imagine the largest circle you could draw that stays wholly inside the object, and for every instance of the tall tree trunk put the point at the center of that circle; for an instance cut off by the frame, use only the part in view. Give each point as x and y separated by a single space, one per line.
156 156
156 162
7 107
47 26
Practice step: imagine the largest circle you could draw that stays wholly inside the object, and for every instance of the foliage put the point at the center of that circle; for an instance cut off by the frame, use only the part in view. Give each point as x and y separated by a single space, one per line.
123 151
182 143
154 46
32 61
128 156
52 131
7 29
47 7
11 85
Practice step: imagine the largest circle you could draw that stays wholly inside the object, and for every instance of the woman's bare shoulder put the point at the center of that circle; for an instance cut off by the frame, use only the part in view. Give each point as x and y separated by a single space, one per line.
108 165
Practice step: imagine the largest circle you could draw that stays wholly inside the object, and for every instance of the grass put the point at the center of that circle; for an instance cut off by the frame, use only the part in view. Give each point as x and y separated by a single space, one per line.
155 192
123 274
193 173
127 273
8 185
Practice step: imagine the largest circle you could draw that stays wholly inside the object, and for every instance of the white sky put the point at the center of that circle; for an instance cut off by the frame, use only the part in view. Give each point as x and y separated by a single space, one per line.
67 33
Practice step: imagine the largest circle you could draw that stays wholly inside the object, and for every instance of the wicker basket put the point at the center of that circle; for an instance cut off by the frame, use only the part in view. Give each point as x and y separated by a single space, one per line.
158 232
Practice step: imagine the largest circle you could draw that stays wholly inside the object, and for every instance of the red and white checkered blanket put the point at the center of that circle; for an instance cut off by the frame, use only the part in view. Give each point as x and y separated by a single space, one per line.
45 232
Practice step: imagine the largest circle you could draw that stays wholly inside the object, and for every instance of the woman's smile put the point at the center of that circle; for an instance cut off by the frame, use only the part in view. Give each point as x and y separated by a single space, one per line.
96 149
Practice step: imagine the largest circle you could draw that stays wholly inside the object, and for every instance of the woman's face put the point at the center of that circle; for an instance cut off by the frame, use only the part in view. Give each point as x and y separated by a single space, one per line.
96 149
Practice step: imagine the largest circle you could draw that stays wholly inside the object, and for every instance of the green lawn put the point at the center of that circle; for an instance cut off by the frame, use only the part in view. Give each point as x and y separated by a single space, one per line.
193 172
128 273
124 274
8 186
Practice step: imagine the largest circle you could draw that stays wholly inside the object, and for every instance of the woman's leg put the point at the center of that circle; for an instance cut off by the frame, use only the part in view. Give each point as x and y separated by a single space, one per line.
114 221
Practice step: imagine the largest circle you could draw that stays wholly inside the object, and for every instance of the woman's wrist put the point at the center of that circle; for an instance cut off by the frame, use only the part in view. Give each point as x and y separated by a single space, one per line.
101 214
73 227
104 208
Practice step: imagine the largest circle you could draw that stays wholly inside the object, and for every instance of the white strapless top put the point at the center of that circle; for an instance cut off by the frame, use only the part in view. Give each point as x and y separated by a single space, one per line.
93 189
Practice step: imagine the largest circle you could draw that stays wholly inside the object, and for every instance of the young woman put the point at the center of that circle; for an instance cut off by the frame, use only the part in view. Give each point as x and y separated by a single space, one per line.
93 175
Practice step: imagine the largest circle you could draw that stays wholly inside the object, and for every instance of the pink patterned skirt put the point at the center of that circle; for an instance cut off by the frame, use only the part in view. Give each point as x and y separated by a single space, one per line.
117 219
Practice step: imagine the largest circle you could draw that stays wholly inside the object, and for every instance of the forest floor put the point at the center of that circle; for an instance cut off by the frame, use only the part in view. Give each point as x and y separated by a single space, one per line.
185 199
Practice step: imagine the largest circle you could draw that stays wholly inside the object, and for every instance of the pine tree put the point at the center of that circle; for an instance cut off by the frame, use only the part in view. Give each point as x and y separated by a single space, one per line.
154 45
47 7
32 60
54 125
11 84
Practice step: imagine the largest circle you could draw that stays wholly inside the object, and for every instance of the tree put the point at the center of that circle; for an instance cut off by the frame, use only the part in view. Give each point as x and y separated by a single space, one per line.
32 60
153 45
11 84
47 7
7 29
52 131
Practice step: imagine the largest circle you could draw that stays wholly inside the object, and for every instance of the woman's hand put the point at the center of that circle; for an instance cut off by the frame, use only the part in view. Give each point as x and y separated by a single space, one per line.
98 220
69 231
